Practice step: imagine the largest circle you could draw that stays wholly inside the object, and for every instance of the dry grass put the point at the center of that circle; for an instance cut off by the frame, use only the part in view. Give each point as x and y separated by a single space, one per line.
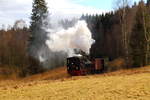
55 74
9 72
121 85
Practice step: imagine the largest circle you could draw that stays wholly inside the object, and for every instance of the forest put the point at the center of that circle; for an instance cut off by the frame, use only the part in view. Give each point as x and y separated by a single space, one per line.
123 33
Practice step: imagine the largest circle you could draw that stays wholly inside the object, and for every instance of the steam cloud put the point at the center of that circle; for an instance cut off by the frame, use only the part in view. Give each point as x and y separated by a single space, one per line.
62 42
77 37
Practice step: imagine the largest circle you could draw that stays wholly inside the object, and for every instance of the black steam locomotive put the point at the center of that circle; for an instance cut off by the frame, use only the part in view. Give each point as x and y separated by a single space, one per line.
77 66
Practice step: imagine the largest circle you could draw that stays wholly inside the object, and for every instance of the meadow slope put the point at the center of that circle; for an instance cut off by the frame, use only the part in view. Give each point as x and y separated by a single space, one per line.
121 85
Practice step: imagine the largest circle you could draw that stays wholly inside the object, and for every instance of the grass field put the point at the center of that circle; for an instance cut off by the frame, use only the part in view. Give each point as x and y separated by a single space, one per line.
131 84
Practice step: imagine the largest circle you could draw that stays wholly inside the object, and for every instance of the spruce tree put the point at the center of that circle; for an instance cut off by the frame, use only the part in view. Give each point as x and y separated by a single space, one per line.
38 34
39 12
148 2
138 42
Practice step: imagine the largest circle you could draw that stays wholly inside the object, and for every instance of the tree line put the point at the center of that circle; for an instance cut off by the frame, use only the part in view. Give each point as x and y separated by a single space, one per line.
123 33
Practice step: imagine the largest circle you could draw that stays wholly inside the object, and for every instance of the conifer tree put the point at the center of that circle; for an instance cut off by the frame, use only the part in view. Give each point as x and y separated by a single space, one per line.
148 2
138 39
38 34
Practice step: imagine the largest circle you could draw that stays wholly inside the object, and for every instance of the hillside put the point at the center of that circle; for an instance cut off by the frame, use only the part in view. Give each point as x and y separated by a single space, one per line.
54 74
131 84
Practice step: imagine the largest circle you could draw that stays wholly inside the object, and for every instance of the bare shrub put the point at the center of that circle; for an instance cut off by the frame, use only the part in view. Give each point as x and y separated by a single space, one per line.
116 64
33 67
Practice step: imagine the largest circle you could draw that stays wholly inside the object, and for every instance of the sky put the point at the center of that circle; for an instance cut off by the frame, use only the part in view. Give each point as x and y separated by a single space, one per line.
12 10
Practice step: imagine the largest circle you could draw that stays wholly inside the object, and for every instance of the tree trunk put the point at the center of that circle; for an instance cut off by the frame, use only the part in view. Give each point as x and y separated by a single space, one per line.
125 35
147 54
147 39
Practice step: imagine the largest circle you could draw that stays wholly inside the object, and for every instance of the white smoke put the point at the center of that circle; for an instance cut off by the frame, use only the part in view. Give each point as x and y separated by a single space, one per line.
63 41
78 37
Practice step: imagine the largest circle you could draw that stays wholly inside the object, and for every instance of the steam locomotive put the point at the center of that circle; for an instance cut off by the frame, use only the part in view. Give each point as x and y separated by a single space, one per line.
77 66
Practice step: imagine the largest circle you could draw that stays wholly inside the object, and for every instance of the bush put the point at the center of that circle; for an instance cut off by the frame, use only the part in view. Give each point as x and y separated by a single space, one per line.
116 64
33 67
9 72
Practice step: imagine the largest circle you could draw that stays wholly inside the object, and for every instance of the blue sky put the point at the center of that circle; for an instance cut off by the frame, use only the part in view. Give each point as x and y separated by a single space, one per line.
101 4
12 10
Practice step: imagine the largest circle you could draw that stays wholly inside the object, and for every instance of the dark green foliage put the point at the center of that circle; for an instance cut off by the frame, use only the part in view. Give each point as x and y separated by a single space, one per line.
138 41
39 12
38 35
106 30
148 2
140 36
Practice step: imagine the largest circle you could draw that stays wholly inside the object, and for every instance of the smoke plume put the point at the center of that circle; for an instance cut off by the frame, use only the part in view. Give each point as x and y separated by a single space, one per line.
77 37
62 43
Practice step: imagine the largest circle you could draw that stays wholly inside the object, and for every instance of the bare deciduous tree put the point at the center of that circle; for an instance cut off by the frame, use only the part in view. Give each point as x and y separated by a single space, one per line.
122 5
146 26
